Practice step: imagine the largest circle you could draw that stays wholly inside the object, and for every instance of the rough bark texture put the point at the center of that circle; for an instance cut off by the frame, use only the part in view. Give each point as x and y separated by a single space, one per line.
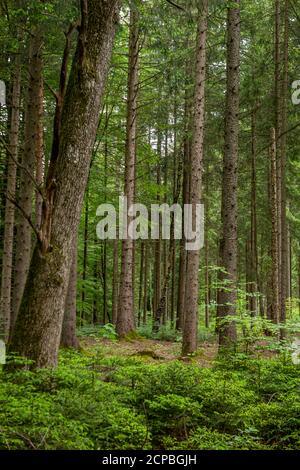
190 328
32 116
228 244
185 192
68 333
39 146
274 293
145 306
38 327
7 262
141 282
125 320
278 129
283 222
253 264
115 290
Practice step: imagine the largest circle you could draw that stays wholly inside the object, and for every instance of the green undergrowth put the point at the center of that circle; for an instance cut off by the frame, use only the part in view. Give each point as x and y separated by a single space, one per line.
92 401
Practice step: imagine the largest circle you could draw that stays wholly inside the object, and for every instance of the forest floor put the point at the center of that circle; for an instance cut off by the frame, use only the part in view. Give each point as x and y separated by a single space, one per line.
141 394
159 351
151 350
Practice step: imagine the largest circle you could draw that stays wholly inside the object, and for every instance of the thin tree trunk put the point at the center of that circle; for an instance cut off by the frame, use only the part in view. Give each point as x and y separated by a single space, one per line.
32 116
190 328
38 327
228 245
145 307
39 150
115 290
68 333
253 261
207 279
157 243
9 218
274 294
85 255
185 193
283 222
278 131
142 256
125 320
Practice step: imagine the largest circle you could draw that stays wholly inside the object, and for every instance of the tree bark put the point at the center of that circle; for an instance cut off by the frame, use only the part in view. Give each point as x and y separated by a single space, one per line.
38 327
115 290
274 294
9 218
145 306
283 203
68 333
126 320
32 116
190 328
228 245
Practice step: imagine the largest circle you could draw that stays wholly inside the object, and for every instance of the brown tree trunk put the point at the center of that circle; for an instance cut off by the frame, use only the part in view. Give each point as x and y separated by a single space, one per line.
125 320
145 306
38 327
32 116
85 256
207 278
274 293
190 328
283 203
115 280
253 261
228 245
185 193
68 334
157 243
142 256
9 218
278 129
39 149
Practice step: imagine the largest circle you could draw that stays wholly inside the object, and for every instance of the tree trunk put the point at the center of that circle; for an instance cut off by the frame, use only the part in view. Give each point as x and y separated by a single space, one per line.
190 328
142 256
68 334
185 192
85 256
274 293
125 320
278 129
7 261
38 327
283 203
157 243
32 116
115 290
228 245
39 149
253 268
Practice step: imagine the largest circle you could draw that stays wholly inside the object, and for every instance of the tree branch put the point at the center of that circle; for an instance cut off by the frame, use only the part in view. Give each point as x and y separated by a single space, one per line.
26 216
175 5
22 167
